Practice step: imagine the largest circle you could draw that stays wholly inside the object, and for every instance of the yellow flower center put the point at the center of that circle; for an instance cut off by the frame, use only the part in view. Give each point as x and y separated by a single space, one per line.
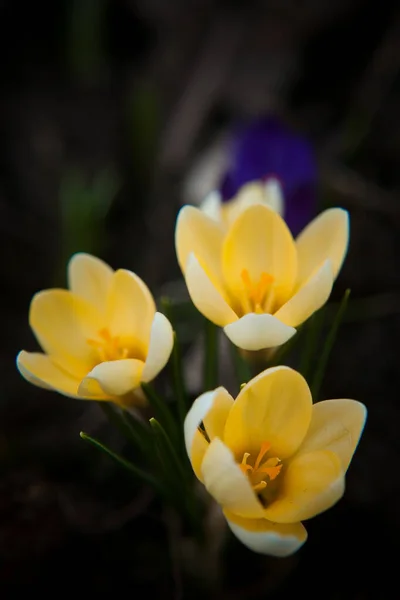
108 346
259 295
262 469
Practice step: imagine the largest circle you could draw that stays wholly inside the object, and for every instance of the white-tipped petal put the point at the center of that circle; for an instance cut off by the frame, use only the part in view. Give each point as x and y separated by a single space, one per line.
327 236
205 296
90 278
258 331
160 347
115 378
211 408
211 205
265 537
226 482
310 297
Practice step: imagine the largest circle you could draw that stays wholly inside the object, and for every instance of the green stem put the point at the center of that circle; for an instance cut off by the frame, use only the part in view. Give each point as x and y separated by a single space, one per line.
179 382
210 356
177 366
326 350
122 461
178 480
168 450
161 410
283 351
313 329
241 367
136 435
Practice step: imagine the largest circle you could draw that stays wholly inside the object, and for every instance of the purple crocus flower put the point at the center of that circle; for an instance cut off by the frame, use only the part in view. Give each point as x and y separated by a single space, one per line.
267 148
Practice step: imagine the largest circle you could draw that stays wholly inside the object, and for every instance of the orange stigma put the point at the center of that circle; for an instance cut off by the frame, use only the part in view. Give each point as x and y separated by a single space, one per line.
108 346
259 294
256 474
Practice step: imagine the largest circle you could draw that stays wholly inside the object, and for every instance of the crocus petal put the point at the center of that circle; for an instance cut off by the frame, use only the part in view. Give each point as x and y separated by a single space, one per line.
211 408
325 237
274 196
336 425
256 192
265 537
311 483
211 205
39 370
205 296
115 378
90 278
309 298
226 482
160 347
260 242
63 323
256 332
130 309
196 232
273 407
214 421
250 194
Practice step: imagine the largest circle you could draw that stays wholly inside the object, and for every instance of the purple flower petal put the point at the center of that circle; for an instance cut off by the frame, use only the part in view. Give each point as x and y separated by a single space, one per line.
267 148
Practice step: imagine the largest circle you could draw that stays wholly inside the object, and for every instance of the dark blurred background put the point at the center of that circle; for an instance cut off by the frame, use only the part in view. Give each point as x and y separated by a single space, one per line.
109 111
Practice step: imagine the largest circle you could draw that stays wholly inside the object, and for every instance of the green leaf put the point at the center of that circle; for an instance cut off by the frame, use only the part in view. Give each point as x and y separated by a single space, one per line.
85 40
173 464
126 464
161 410
210 356
135 432
312 330
177 366
327 347
241 367
283 351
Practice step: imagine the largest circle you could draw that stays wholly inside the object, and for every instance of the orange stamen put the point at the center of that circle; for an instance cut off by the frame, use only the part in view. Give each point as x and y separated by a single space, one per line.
272 472
271 468
108 346
258 292
265 446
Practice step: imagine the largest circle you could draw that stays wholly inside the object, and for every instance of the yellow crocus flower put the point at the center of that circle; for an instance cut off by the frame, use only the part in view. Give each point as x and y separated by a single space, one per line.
252 278
256 192
101 338
271 458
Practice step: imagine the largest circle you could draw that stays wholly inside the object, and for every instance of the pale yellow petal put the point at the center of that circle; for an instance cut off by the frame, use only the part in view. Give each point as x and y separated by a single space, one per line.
310 484
199 234
256 332
115 378
160 347
63 323
39 370
255 192
309 298
211 206
265 537
336 425
274 196
226 482
211 407
248 195
273 407
205 296
325 237
260 242
90 278
130 310
215 419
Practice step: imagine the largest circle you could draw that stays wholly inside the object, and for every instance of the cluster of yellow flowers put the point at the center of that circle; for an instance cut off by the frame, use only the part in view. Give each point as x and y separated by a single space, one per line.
271 458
